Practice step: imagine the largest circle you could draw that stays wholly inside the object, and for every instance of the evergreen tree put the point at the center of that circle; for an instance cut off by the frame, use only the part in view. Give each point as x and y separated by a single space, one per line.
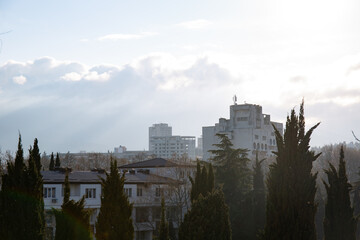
203 183
57 161
258 196
208 219
22 207
114 220
339 222
164 226
72 221
233 174
35 203
52 162
290 209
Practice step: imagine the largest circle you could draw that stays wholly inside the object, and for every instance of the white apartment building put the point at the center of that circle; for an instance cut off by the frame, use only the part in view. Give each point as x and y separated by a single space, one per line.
143 189
247 128
164 145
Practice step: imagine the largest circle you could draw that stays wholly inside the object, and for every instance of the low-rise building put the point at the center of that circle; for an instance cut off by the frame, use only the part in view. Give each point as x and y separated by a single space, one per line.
143 189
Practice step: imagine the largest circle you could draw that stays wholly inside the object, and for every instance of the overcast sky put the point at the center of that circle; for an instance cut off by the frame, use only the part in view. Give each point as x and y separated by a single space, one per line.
91 75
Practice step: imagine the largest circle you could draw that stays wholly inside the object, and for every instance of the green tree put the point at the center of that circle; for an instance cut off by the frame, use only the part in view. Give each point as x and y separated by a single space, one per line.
203 182
208 219
164 225
57 161
291 208
233 174
72 221
52 162
259 203
339 222
22 207
114 219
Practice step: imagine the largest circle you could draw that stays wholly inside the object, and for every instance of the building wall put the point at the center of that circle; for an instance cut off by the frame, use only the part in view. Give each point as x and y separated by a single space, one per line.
168 146
247 128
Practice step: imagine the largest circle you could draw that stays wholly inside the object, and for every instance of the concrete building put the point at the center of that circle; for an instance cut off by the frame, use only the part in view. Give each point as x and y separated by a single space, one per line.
143 188
164 145
247 128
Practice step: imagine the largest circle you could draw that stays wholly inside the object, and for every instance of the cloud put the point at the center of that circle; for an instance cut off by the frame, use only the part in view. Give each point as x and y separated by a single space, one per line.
94 76
116 37
73 76
195 24
19 80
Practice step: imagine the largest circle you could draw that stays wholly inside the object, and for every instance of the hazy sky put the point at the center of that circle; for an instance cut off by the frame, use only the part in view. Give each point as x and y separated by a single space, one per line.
91 75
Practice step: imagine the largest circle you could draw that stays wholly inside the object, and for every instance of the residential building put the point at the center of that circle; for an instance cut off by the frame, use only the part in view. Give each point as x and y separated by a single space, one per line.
165 145
143 189
247 128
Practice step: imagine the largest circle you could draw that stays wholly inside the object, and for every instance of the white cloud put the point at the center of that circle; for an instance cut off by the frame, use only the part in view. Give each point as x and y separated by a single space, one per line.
20 80
73 76
115 37
195 24
95 76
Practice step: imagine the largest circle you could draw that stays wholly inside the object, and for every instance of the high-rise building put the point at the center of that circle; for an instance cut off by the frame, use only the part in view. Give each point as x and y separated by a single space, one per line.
247 128
164 145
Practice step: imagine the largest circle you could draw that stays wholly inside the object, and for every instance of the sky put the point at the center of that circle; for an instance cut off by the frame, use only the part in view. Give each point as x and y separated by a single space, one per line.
90 75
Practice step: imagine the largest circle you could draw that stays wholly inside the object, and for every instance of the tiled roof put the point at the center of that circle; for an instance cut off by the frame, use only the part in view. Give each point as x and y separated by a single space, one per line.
94 177
152 163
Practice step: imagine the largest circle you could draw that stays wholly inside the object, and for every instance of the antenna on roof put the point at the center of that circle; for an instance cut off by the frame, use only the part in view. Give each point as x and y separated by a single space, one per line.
235 99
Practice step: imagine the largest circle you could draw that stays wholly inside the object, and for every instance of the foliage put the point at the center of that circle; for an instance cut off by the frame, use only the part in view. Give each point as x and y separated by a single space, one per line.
233 175
164 225
114 220
57 161
52 162
339 222
208 219
21 200
291 208
72 221
258 196
203 182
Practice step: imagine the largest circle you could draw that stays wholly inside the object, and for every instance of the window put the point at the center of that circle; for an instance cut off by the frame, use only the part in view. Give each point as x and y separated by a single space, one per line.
258 146
139 192
254 145
49 193
264 138
90 193
128 192
265 146
256 136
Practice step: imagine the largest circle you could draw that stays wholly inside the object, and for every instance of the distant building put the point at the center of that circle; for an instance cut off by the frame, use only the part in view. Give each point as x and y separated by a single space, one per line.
247 128
164 145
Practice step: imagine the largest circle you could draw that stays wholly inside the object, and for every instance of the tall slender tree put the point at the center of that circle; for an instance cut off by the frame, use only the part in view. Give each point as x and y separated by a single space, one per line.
52 162
57 161
164 225
290 209
114 219
203 182
72 221
258 196
339 222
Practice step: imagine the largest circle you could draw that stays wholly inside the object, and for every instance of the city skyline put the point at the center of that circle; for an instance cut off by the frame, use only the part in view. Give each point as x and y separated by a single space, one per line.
89 75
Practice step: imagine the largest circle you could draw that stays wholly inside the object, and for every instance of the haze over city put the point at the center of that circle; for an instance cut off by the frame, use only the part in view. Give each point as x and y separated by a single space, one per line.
91 75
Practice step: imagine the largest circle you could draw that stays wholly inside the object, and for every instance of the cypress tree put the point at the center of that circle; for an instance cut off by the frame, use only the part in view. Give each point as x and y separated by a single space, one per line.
114 219
203 183
72 221
164 225
57 161
211 179
290 209
35 202
208 219
258 196
196 184
339 222
52 162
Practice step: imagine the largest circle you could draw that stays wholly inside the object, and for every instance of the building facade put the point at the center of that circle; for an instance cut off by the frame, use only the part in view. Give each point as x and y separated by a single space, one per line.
247 128
144 190
164 145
